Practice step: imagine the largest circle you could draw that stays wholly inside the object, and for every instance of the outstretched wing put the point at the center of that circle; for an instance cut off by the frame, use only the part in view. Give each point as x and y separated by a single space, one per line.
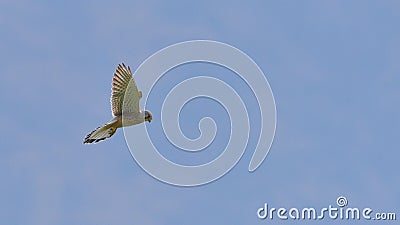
121 81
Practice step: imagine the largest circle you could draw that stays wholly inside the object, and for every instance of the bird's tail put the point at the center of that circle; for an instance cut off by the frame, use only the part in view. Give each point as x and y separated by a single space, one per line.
100 133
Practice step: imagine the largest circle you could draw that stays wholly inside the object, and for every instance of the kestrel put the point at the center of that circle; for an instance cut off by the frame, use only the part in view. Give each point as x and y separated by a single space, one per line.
132 114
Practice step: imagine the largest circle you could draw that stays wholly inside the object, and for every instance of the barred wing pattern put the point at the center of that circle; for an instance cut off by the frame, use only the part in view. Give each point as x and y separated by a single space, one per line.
121 81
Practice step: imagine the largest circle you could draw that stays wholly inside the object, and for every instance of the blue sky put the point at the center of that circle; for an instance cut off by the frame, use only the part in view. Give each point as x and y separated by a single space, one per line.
332 65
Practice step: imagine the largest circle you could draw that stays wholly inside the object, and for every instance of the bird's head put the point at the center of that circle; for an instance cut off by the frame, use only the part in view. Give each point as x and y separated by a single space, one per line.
147 116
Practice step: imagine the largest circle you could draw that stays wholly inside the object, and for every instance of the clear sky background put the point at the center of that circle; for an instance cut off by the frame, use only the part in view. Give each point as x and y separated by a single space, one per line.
333 67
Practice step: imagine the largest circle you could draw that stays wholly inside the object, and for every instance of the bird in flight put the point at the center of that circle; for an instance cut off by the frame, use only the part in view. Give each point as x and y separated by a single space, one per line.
132 114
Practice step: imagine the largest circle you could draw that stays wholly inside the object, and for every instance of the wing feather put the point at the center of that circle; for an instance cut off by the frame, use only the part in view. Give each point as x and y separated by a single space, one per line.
121 81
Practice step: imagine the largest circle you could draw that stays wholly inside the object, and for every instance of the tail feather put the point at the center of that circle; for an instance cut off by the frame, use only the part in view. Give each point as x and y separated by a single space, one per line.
100 134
